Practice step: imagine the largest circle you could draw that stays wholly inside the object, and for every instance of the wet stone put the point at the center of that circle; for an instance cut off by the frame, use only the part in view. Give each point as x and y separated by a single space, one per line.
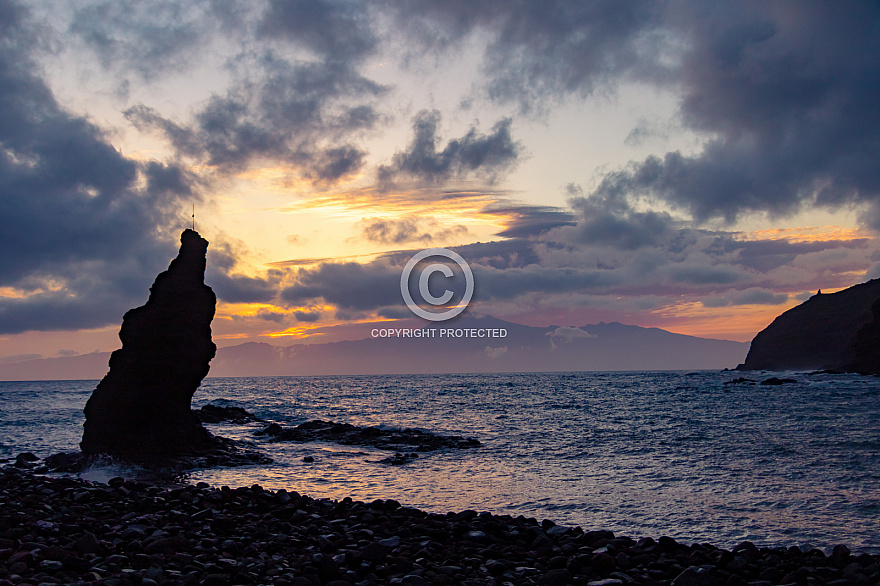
199 534
558 577
219 414
391 542
51 566
413 580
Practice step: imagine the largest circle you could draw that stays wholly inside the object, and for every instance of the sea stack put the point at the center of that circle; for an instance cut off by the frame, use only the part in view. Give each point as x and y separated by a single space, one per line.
141 409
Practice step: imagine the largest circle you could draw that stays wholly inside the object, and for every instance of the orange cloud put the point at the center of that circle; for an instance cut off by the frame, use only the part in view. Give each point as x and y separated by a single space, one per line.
322 329
372 199
807 234
303 332
735 322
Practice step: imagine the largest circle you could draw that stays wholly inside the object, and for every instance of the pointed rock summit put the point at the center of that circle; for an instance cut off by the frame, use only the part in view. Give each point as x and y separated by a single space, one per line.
141 408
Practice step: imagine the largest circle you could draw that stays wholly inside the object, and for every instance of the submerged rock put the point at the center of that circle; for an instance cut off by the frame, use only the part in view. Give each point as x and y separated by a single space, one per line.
217 414
141 409
399 459
778 381
64 462
399 440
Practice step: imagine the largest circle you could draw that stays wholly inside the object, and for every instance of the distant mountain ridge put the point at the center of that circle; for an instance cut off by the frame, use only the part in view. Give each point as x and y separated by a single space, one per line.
82 367
820 333
593 347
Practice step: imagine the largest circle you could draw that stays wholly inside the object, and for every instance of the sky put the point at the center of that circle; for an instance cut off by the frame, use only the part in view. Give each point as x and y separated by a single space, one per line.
695 166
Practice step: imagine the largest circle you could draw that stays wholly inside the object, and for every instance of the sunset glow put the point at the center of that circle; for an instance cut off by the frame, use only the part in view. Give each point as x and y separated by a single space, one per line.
598 181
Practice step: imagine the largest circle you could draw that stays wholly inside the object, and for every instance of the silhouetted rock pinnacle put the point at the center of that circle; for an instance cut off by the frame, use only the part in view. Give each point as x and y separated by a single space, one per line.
827 331
141 409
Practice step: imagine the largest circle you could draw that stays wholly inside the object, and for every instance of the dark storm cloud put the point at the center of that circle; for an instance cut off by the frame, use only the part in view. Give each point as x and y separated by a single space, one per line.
111 287
306 316
148 38
476 154
706 275
628 231
236 288
558 268
285 114
409 229
503 270
241 289
68 202
335 30
689 257
395 313
541 49
785 92
349 286
783 96
77 307
514 252
494 284
85 229
766 255
376 286
752 296
755 248
499 254
391 231
608 219
169 178
523 221
272 316
330 165
788 93
305 110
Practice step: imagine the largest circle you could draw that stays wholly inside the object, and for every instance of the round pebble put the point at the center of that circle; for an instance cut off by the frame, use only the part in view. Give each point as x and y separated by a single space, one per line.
130 533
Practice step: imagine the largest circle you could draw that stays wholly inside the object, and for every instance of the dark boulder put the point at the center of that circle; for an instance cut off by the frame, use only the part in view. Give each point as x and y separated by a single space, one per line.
64 462
778 381
141 409
218 414
399 440
399 459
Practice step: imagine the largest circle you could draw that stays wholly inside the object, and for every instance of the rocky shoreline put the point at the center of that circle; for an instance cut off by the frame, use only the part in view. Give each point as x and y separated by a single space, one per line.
228 452
71 531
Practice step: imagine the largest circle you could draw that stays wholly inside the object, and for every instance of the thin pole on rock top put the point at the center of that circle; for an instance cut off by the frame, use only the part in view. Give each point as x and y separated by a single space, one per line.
194 218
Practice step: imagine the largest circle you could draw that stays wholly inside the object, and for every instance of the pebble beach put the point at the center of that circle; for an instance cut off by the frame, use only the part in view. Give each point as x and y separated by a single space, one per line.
67 530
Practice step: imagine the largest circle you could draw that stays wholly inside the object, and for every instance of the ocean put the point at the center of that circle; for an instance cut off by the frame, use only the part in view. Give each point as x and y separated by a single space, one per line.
639 453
